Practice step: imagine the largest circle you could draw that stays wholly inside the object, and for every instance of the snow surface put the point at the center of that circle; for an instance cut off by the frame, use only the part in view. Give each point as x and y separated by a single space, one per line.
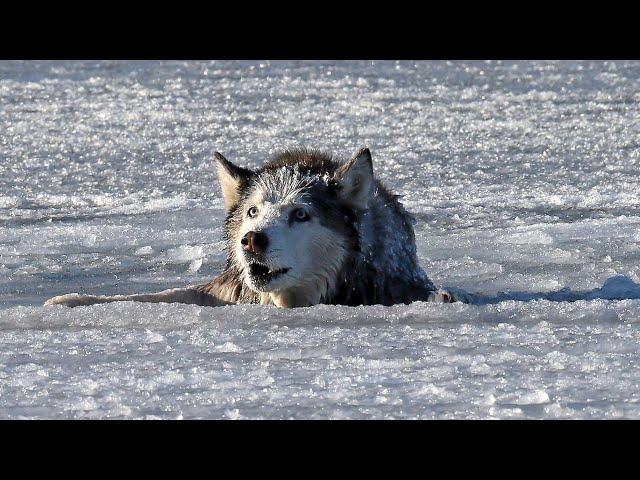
524 178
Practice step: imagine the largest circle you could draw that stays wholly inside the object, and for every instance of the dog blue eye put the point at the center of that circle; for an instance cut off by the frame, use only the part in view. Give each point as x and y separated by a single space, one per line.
253 211
300 215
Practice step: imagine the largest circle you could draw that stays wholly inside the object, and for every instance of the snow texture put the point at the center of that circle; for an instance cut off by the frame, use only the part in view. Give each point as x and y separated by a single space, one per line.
524 178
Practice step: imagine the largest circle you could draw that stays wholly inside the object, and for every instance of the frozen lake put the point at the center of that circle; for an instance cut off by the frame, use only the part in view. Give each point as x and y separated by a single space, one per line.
524 178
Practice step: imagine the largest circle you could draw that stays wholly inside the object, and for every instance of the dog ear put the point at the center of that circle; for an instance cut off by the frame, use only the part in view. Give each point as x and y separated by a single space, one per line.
353 180
232 180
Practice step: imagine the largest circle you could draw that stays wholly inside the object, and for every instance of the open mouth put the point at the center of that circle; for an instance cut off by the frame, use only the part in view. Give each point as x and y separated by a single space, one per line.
261 272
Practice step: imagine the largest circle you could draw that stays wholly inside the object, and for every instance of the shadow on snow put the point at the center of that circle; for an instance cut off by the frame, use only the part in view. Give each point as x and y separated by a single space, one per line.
618 287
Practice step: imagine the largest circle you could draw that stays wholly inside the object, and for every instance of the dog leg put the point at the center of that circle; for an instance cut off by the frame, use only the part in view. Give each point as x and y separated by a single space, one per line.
175 295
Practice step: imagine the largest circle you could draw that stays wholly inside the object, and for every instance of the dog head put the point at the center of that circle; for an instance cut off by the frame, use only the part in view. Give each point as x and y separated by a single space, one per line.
290 223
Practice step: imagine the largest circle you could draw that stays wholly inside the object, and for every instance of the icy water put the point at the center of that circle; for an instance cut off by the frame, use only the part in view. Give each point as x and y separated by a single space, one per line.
524 178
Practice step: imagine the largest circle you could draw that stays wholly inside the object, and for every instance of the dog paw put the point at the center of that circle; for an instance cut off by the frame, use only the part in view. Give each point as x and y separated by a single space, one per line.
442 296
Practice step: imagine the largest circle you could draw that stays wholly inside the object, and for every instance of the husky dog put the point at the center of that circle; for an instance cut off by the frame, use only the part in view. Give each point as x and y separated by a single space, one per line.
305 229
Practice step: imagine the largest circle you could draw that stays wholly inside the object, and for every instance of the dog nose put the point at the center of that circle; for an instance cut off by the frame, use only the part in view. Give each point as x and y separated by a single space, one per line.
254 242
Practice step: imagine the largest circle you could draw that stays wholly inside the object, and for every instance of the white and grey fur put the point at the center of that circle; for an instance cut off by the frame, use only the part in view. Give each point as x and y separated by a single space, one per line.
335 235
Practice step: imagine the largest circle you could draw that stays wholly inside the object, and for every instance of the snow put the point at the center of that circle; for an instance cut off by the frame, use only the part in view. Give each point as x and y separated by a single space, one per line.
523 177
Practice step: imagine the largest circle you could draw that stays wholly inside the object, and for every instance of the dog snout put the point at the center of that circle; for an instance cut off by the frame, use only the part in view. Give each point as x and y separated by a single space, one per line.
254 242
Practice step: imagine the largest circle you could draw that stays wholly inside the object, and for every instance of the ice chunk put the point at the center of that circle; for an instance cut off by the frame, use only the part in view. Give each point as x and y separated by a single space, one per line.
184 254
533 398
146 250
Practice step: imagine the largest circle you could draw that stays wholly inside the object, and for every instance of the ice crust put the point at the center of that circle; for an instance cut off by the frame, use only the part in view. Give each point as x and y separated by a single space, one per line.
523 178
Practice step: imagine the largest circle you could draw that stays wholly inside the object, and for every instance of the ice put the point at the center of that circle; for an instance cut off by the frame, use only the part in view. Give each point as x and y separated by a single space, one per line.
523 178
146 250
183 254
